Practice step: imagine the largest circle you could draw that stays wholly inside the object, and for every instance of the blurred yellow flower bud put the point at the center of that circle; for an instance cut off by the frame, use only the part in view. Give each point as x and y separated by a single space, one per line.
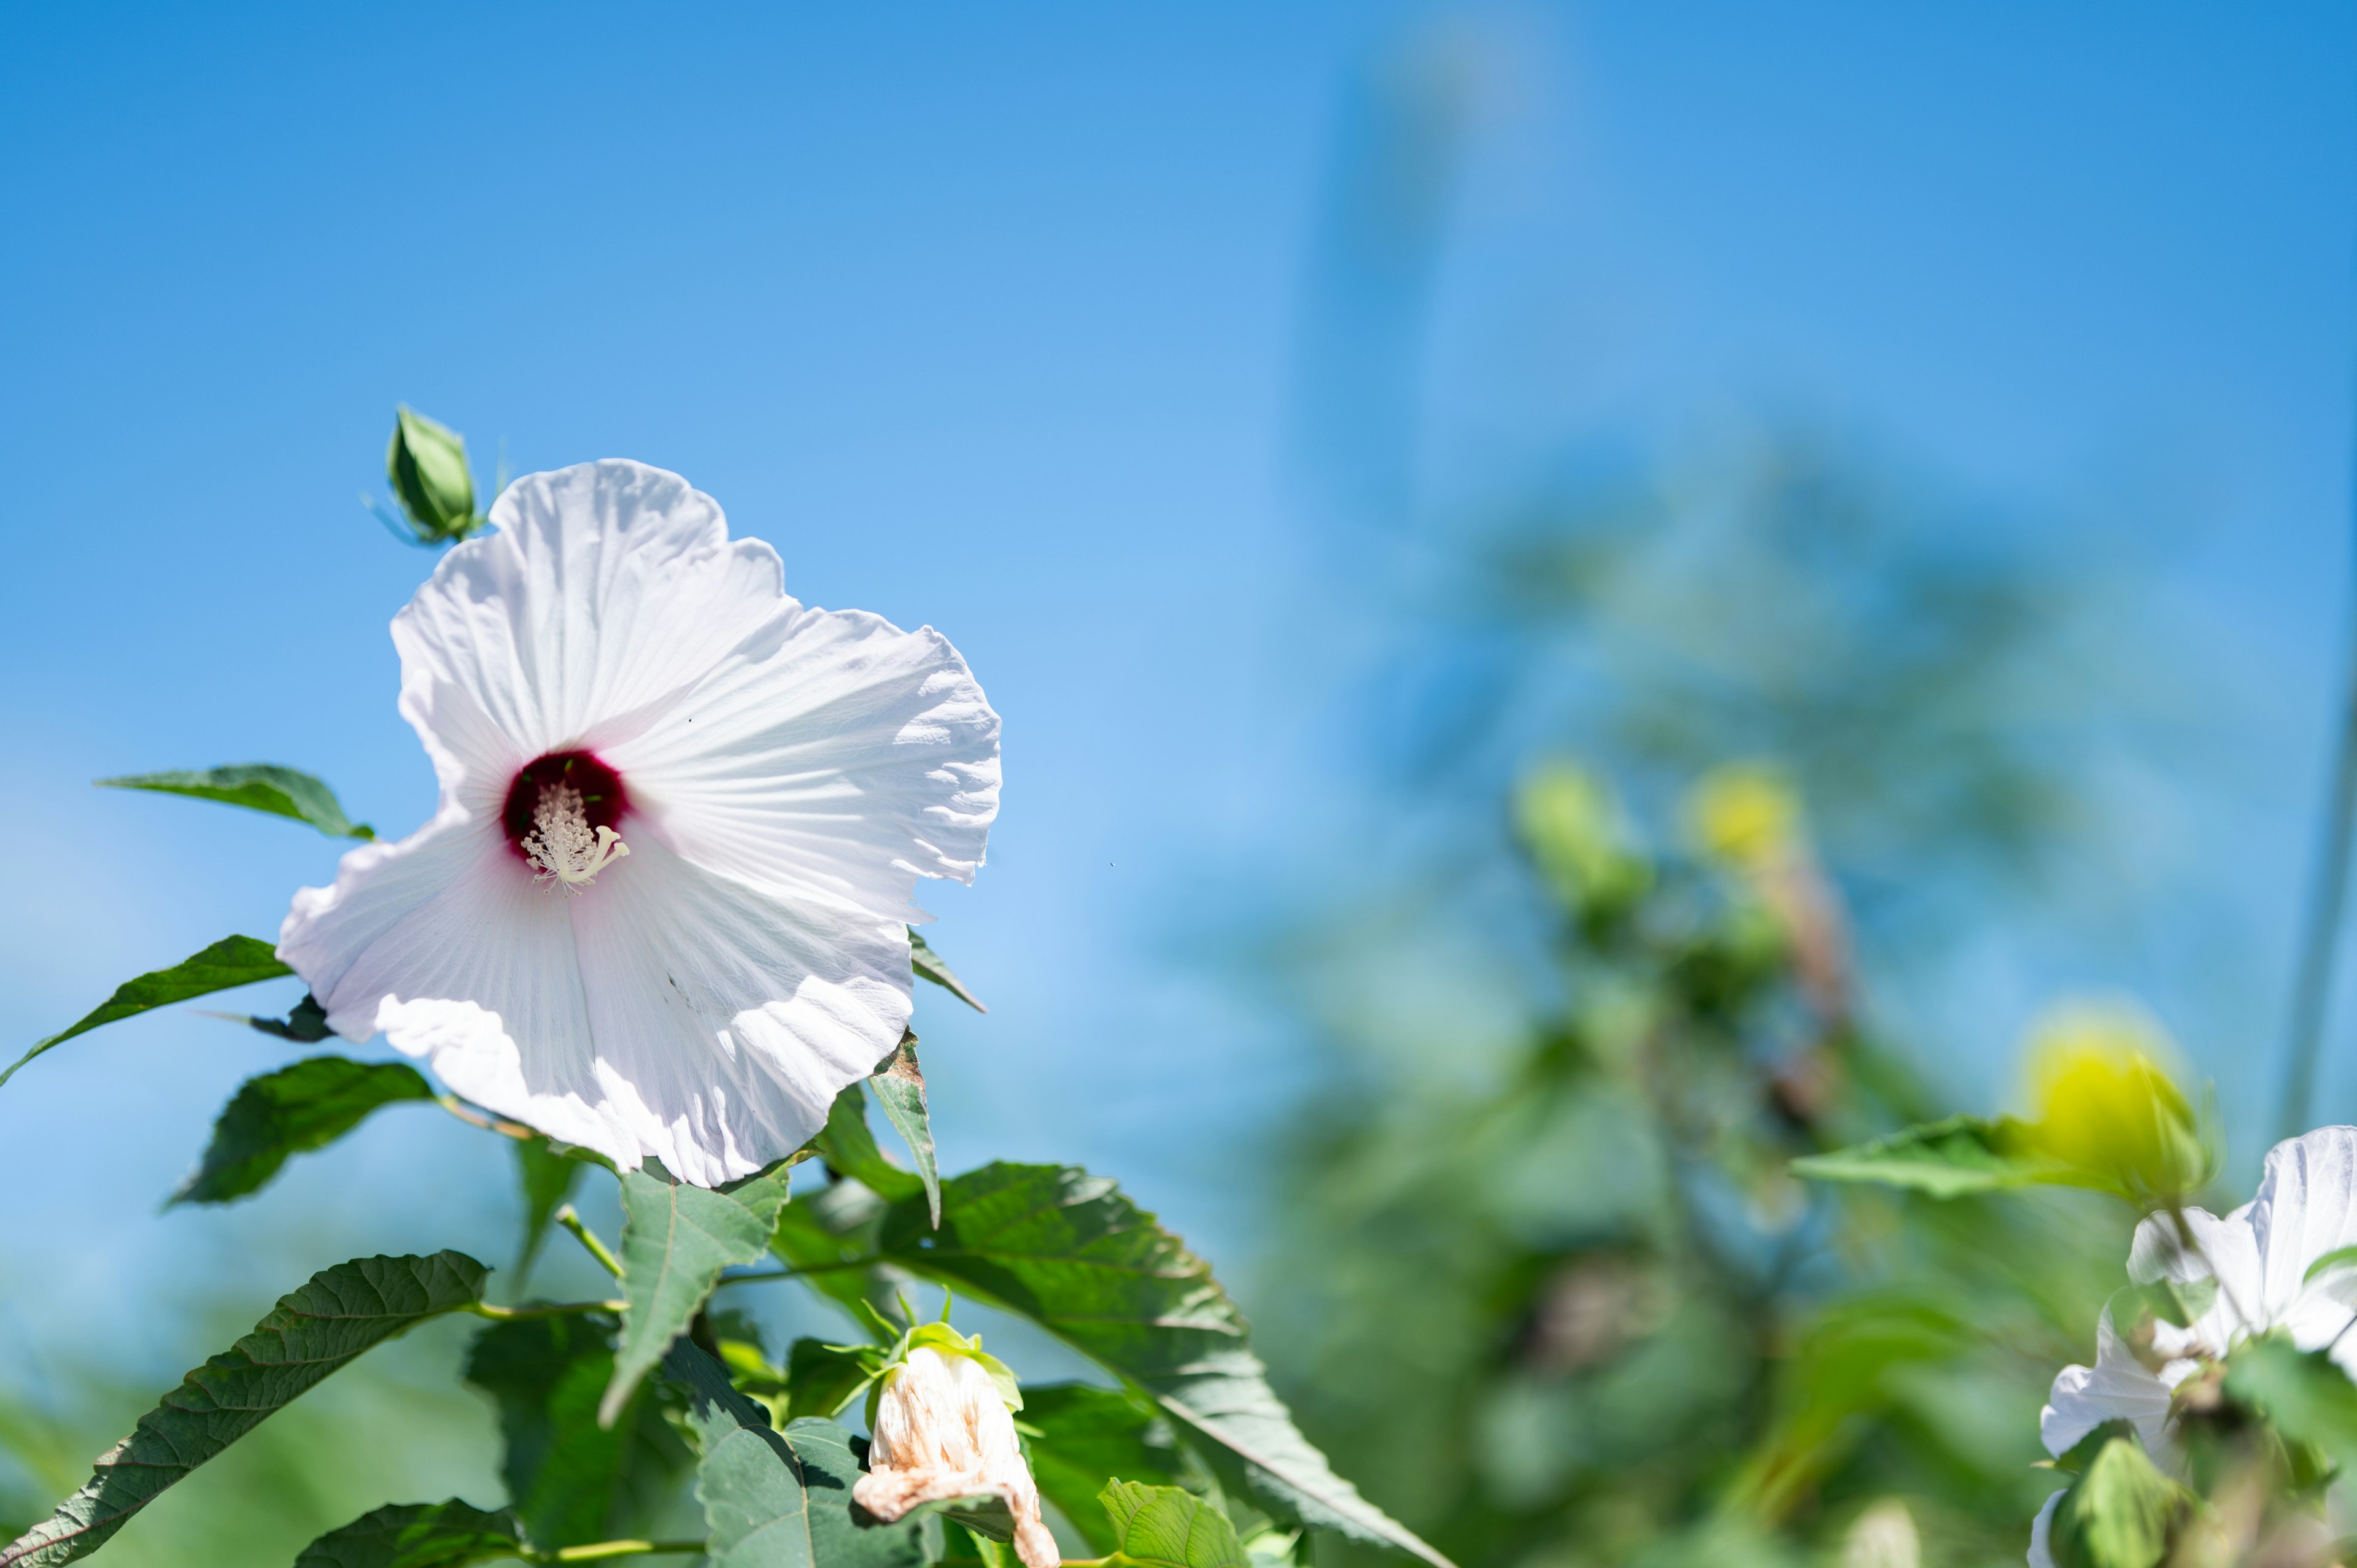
1581 840
2107 1105
1745 814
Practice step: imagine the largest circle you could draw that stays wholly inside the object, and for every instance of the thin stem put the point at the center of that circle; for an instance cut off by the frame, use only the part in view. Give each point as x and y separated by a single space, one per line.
551 1309
598 1551
588 1238
797 1272
474 1118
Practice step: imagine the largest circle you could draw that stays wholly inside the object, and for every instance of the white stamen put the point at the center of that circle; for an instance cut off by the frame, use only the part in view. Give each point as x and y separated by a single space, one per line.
561 845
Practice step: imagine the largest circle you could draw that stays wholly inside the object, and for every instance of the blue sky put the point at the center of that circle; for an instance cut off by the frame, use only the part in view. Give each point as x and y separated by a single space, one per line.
992 318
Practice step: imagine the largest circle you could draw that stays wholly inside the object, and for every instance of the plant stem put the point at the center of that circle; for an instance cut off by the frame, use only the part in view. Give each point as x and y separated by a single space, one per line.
550 1309
795 1274
588 1238
474 1118
598 1551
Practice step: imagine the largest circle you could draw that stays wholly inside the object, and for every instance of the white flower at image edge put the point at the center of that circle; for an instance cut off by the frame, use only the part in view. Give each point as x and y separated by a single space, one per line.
2258 1256
661 910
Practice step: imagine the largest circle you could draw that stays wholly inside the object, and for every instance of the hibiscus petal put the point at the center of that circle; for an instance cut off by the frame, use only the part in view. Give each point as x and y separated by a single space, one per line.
2118 1387
831 754
2304 1207
727 1020
2042 1531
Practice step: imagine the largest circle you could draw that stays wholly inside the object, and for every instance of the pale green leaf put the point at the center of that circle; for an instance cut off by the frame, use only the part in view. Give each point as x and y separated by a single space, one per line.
230 961
1164 1527
2118 1513
258 787
1948 1159
2307 1396
676 1239
849 1149
311 1333
290 1111
900 1088
1083 1436
417 1535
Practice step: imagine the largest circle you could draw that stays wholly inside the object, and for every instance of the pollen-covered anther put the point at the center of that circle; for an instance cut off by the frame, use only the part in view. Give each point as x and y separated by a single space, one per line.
561 843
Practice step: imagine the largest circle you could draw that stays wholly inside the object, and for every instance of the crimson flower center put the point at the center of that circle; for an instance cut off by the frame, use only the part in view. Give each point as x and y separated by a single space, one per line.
603 800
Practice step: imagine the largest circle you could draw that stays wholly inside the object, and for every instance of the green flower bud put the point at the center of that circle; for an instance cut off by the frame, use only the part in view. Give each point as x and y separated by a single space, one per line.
1576 831
426 463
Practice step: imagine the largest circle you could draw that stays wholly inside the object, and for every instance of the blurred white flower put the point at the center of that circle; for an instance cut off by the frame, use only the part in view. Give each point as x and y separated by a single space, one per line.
608 675
2259 1258
942 1431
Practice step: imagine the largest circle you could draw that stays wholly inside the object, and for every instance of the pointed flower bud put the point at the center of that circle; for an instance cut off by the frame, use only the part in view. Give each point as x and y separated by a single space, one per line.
426 463
942 1427
2107 1106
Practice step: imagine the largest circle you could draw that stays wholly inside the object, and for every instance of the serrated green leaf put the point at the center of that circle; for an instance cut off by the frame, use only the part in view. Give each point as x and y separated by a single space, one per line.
296 1109
547 1178
1066 1250
900 1088
2118 1513
416 1535
1163 1527
311 1333
842 1535
1084 1436
1949 1159
258 787
675 1240
230 961
928 964
562 1469
849 1149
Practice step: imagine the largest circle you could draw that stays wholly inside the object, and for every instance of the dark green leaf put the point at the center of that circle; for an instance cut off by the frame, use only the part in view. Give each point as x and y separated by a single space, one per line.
1948 1159
416 1535
312 1332
1087 1435
296 1109
258 787
925 962
2118 1513
675 1240
2308 1398
899 1088
849 1149
821 1379
1067 1250
1163 1527
547 1178
843 1535
307 1023
230 961
562 1469
824 1231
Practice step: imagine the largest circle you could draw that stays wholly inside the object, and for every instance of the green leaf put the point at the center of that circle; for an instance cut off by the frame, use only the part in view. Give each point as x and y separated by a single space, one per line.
2307 1398
2339 1257
1082 1436
900 1088
296 1109
1067 1250
1163 1527
822 1379
1948 1159
2118 1513
547 1178
230 961
258 787
416 1535
777 1500
849 1149
675 1240
928 963
544 1375
313 1331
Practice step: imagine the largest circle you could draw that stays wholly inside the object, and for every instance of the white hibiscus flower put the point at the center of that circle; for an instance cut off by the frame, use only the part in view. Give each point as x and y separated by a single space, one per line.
661 908
2258 1257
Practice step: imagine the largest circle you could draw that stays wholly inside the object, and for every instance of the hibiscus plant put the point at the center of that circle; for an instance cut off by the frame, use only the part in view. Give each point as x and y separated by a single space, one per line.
660 924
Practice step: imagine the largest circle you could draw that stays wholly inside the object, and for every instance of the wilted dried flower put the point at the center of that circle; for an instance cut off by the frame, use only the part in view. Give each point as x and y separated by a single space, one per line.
940 1430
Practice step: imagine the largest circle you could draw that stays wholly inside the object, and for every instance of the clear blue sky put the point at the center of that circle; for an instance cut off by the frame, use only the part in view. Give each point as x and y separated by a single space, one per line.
991 317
